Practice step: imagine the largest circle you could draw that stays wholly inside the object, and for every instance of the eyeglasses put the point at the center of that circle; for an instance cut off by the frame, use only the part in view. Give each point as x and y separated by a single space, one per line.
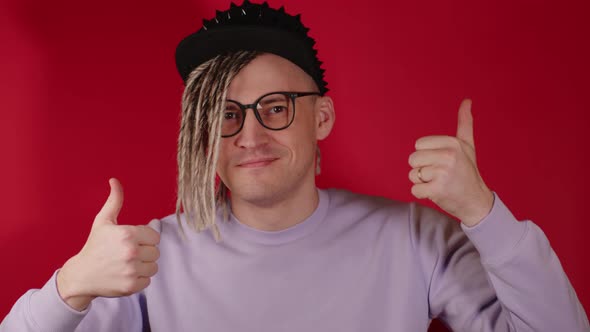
274 111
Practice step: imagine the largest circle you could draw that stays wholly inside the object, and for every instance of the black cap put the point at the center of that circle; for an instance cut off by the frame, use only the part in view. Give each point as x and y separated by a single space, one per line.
251 27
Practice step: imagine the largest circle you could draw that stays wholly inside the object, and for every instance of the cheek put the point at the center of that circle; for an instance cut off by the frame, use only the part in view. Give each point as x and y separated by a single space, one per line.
222 160
301 144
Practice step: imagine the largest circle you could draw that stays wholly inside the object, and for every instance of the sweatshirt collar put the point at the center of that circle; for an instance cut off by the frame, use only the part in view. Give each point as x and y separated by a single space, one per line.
236 229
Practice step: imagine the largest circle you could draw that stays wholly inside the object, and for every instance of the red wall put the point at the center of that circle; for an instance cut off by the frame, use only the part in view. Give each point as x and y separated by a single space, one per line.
89 90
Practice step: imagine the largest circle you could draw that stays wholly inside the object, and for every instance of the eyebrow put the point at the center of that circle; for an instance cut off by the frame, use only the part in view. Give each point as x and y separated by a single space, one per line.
268 101
277 98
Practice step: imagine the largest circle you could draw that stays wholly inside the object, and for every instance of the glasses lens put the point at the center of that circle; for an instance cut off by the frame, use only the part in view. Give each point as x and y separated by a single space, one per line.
276 111
232 119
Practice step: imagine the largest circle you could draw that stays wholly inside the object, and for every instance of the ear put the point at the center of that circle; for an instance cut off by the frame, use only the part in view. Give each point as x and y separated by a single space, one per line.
325 117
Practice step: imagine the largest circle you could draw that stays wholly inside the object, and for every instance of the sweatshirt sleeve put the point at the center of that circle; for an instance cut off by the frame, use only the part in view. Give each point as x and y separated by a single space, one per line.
43 310
500 275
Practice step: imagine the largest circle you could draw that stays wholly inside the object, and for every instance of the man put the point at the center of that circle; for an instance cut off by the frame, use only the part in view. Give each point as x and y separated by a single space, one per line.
283 255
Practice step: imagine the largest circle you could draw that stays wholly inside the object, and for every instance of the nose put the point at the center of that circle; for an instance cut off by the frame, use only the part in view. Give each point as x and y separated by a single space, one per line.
253 134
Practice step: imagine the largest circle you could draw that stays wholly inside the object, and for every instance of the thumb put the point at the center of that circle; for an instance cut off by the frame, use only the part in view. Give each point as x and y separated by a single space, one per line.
465 123
110 209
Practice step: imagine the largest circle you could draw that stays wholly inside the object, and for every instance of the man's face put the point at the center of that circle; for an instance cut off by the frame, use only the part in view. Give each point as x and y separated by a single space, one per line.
263 166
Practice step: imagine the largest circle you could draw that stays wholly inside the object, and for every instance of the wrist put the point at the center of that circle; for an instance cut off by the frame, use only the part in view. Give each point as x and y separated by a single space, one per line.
72 295
482 210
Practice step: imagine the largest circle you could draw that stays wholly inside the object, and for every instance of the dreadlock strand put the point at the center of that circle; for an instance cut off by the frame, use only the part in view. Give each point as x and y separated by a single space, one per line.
199 139
218 94
187 148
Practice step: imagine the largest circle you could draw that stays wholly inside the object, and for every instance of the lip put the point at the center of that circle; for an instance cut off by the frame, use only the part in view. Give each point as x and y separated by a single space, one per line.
260 162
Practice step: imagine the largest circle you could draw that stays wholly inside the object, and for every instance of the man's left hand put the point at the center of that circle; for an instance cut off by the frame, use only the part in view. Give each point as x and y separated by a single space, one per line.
448 172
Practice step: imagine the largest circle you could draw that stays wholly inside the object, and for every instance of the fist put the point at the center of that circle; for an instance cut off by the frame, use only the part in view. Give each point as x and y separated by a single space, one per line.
117 260
444 170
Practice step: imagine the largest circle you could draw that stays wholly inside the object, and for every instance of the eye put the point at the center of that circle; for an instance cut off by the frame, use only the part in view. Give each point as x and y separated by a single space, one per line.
231 115
277 109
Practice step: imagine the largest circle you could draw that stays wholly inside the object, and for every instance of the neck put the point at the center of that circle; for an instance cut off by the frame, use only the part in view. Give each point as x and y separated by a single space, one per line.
281 213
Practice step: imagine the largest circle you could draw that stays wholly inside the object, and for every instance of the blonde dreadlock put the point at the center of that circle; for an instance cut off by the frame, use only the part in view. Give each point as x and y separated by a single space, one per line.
198 142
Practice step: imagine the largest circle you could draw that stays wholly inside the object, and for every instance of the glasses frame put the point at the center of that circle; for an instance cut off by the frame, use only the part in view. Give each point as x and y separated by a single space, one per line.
292 95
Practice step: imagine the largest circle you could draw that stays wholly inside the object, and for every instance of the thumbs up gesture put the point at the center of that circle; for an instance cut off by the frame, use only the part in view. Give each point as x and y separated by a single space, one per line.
444 170
117 260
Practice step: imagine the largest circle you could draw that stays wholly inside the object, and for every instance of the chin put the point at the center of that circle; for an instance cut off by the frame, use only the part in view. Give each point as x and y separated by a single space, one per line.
259 193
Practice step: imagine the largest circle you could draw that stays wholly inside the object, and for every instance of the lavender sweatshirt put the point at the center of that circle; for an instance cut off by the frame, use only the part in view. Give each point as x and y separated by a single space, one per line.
358 263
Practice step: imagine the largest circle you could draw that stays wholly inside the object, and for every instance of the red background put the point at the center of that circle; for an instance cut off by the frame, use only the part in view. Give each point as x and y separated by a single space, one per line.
89 91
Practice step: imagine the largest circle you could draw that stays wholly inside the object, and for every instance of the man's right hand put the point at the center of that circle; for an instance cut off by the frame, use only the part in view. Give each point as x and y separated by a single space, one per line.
117 260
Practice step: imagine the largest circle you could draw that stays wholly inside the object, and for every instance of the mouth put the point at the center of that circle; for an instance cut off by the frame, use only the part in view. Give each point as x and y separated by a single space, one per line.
262 162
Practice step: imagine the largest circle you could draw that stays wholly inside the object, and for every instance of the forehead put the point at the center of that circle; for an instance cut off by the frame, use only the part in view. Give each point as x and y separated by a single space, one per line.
268 73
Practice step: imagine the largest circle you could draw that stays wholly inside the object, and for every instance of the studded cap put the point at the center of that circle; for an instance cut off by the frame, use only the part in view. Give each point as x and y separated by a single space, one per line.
251 27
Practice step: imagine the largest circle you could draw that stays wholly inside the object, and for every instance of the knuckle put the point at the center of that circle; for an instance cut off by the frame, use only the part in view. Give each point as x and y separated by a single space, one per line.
440 172
449 156
126 233
438 188
452 161
449 153
128 287
129 272
130 253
